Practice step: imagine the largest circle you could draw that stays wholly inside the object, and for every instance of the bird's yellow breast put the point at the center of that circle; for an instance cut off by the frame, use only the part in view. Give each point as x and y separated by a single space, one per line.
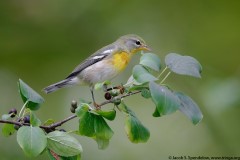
121 60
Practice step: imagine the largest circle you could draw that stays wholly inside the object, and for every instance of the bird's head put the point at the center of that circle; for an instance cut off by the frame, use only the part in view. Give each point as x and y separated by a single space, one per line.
133 43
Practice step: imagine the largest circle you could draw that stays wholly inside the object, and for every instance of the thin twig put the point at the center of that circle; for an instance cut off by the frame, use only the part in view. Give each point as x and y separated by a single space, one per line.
165 77
10 122
23 107
162 72
57 124
14 122
52 127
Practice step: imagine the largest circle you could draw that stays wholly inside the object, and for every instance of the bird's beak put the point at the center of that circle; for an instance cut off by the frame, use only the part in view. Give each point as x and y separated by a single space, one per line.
145 48
142 48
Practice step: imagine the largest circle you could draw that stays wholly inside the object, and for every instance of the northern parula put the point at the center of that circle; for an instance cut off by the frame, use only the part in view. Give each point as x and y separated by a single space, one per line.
104 64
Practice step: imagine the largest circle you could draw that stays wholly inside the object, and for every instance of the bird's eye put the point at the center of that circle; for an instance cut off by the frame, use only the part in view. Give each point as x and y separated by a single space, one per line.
138 43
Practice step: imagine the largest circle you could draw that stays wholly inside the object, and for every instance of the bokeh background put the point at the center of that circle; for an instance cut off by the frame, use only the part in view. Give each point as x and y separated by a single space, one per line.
42 41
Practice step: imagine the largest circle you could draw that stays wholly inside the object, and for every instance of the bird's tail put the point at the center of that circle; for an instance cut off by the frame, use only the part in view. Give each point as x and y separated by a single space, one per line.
58 85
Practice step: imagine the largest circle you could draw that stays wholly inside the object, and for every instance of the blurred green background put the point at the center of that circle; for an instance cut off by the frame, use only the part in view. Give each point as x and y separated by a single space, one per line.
42 41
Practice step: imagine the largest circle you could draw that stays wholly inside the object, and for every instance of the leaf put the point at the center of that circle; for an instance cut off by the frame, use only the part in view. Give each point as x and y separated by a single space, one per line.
123 108
137 133
102 143
141 74
86 120
6 116
99 86
94 126
53 156
164 99
63 144
151 60
8 130
110 114
156 113
132 85
184 65
48 122
131 81
86 125
32 140
28 94
103 133
138 87
34 121
145 93
77 157
189 108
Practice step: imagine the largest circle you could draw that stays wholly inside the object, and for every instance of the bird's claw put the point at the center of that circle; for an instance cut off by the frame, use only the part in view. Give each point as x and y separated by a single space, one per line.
97 106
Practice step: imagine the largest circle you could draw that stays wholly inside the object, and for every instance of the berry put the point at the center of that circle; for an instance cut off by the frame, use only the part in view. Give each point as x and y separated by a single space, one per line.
114 92
107 96
117 102
74 104
72 109
13 112
26 119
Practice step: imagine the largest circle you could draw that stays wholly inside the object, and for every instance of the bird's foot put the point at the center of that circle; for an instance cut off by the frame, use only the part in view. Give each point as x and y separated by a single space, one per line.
97 106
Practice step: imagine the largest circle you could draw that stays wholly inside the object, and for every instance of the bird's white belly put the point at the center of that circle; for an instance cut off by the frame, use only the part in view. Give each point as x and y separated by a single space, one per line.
98 72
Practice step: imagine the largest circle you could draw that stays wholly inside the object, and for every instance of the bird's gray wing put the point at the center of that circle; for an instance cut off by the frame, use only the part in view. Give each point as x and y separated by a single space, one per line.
94 58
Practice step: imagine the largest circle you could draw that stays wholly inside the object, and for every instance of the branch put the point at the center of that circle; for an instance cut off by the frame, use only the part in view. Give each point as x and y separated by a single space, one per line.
12 122
57 124
53 126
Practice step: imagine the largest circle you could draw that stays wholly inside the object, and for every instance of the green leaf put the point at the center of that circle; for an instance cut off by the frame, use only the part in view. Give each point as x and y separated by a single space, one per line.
28 94
138 87
137 133
131 81
103 133
6 116
63 144
8 130
48 122
86 125
92 125
77 157
32 140
53 156
156 113
122 107
146 93
189 108
141 74
151 60
102 143
110 114
164 99
184 65
99 86
86 120
34 121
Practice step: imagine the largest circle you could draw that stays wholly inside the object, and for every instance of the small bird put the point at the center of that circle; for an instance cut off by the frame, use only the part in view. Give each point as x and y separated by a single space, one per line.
104 64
